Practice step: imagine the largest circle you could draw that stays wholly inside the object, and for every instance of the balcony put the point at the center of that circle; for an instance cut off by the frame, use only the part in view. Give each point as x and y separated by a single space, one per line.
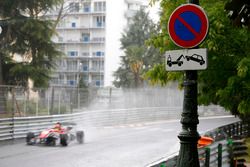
81 11
98 54
95 40
97 83
72 82
57 82
86 9
98 39
63 28
96 70
85 54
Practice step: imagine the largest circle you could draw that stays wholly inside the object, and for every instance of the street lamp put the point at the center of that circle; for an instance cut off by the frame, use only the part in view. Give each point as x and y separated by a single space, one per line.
78 85
188 154
79 73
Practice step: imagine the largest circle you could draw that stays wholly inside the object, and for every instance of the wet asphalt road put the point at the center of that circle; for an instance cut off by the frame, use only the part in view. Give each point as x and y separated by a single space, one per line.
122 146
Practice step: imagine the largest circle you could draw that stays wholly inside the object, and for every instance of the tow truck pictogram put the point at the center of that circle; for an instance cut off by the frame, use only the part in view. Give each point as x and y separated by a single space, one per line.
178 61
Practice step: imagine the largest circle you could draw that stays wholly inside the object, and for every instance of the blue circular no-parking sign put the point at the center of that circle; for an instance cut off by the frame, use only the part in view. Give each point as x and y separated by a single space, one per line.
188 25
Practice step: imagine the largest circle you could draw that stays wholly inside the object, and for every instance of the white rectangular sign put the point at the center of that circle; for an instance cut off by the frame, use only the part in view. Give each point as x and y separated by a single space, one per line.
186 59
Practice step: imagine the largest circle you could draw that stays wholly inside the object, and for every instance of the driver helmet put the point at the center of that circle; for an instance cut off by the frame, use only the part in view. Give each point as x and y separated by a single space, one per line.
58 125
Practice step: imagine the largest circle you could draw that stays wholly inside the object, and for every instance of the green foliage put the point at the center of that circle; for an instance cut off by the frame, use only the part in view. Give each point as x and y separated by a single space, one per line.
226 81
25 34
139 57
158 75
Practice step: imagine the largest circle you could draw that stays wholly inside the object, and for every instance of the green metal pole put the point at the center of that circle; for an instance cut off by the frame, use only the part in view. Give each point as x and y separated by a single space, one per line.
220 155
188 154
207 157
193 1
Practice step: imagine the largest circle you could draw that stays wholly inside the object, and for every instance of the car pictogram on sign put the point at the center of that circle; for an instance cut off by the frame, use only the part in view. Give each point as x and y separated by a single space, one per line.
197 58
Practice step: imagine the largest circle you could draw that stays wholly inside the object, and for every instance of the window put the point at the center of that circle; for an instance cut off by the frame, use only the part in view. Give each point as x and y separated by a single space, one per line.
72 65
85 66
74 7
97 80
97 83
60 79
98 53
85 53
100 21
73 24
72 53
60 39
85 37
98 65
61 64
86 7
100 6
71 80
85 77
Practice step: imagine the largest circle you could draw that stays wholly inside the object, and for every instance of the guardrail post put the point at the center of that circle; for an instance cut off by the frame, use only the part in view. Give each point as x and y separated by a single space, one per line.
230 150
207 157
13 114
163 165
219 155
12 127
237 149
110 95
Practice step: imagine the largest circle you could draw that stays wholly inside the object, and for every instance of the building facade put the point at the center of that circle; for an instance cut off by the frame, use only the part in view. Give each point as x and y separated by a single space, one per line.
89 34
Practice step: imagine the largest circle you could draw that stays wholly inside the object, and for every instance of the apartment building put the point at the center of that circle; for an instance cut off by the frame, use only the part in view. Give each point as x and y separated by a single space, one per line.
89 34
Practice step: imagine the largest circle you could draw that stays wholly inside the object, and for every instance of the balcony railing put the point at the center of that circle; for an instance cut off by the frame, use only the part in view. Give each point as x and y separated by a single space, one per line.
96 70
84 10
97 83
64 27
95 40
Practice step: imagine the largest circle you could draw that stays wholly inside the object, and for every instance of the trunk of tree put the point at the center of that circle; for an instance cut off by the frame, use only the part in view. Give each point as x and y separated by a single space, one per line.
1 71
137 80
2 90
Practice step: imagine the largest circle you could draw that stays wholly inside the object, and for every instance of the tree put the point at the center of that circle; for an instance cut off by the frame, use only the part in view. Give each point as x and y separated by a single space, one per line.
239 12
26 34
138 57
226 81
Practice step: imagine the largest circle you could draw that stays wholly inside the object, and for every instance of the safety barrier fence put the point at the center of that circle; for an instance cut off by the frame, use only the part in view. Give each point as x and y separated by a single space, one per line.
30 102
24 102
17 127
222 152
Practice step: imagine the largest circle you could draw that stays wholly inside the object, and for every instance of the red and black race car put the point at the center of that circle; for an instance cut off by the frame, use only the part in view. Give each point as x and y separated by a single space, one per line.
54 136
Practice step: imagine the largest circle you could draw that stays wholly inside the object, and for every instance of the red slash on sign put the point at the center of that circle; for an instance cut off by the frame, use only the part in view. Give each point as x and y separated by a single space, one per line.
188 26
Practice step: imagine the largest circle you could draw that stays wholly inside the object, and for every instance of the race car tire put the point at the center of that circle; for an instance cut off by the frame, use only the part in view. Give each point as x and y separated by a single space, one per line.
50 141
30 138
64 139
80 137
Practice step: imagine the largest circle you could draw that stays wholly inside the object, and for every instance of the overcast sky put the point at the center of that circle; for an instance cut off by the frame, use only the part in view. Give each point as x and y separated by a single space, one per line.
154 11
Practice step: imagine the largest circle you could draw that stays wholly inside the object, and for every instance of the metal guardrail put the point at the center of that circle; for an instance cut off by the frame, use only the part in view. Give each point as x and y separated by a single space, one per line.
17 127
219 151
